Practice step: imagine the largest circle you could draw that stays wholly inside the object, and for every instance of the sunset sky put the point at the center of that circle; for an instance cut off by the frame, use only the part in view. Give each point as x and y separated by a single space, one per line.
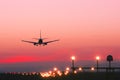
86 29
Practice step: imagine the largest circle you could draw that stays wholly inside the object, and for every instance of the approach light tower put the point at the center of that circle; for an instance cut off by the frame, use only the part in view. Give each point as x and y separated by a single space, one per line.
73 64
97 58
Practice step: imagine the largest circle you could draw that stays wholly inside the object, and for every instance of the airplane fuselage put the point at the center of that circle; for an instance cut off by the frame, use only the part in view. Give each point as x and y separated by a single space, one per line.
40 41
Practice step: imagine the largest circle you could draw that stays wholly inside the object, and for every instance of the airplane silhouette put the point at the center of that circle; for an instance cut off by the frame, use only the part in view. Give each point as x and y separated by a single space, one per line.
40 41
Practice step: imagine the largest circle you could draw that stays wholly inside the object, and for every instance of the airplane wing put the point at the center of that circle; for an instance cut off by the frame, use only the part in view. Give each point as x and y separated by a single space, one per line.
50 41
29 42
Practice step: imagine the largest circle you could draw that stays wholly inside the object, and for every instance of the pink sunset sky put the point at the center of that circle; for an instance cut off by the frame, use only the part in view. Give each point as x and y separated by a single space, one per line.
86 28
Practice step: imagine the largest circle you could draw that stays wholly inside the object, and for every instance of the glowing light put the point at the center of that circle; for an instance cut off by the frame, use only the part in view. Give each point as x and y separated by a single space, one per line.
59 73
75 72
46 74
73 57
92 68
66 72
97 58
67 69
53 75
80 69
55 69
50 72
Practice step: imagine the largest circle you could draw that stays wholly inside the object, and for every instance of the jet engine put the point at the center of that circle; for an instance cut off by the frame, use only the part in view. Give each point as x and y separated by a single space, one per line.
44 44
35 44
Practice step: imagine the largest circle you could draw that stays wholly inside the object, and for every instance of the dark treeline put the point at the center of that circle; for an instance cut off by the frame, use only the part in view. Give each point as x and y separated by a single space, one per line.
19 77
78 76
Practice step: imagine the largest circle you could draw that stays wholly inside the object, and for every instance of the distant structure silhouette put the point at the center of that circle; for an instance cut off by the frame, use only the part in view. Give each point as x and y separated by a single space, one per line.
109 59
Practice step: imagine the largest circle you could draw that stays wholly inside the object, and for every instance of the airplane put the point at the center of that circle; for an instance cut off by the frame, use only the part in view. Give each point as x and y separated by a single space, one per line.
40 41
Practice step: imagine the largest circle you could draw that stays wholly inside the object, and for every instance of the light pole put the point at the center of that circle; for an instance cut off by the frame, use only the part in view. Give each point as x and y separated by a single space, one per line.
73 59
97 58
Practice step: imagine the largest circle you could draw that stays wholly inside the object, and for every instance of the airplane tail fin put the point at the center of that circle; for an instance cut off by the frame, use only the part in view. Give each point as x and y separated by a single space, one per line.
40 34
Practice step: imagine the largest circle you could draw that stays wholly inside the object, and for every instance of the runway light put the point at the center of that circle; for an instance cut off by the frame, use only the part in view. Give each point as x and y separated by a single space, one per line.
80 69
75 72
66 72
92 68
53 75
59 73
55 69
50 72
67 69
